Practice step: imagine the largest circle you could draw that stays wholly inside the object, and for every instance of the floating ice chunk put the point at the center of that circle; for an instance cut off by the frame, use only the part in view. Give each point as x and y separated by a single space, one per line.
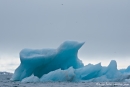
109 73
125 71
32 78
112 71
59 75
40 62
88 72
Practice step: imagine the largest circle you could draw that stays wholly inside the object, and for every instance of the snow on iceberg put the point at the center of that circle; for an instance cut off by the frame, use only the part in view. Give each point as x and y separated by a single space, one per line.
62 64
43 61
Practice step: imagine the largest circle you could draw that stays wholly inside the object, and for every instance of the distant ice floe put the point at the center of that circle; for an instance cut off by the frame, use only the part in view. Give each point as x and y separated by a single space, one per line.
62 64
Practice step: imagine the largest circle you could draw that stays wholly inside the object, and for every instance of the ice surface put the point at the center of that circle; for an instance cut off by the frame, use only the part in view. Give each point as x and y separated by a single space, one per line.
62 64
59 75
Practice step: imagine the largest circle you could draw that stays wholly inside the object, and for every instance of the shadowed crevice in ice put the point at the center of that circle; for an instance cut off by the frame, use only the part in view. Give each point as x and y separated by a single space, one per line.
40 62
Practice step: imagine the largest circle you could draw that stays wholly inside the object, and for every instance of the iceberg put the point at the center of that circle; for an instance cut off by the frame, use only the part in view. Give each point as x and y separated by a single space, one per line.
63 64
43 61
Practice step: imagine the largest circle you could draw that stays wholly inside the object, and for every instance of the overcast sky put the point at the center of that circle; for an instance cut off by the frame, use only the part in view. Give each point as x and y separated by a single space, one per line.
103 24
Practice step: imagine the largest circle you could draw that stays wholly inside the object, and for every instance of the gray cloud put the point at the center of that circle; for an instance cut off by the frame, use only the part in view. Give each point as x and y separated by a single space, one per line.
104 25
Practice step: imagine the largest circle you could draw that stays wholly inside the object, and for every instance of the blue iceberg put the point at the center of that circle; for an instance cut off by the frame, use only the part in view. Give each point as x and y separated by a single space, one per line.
40 62
63 64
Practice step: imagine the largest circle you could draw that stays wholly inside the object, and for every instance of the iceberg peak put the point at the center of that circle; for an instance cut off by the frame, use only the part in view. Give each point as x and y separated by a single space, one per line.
70 45
113 65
